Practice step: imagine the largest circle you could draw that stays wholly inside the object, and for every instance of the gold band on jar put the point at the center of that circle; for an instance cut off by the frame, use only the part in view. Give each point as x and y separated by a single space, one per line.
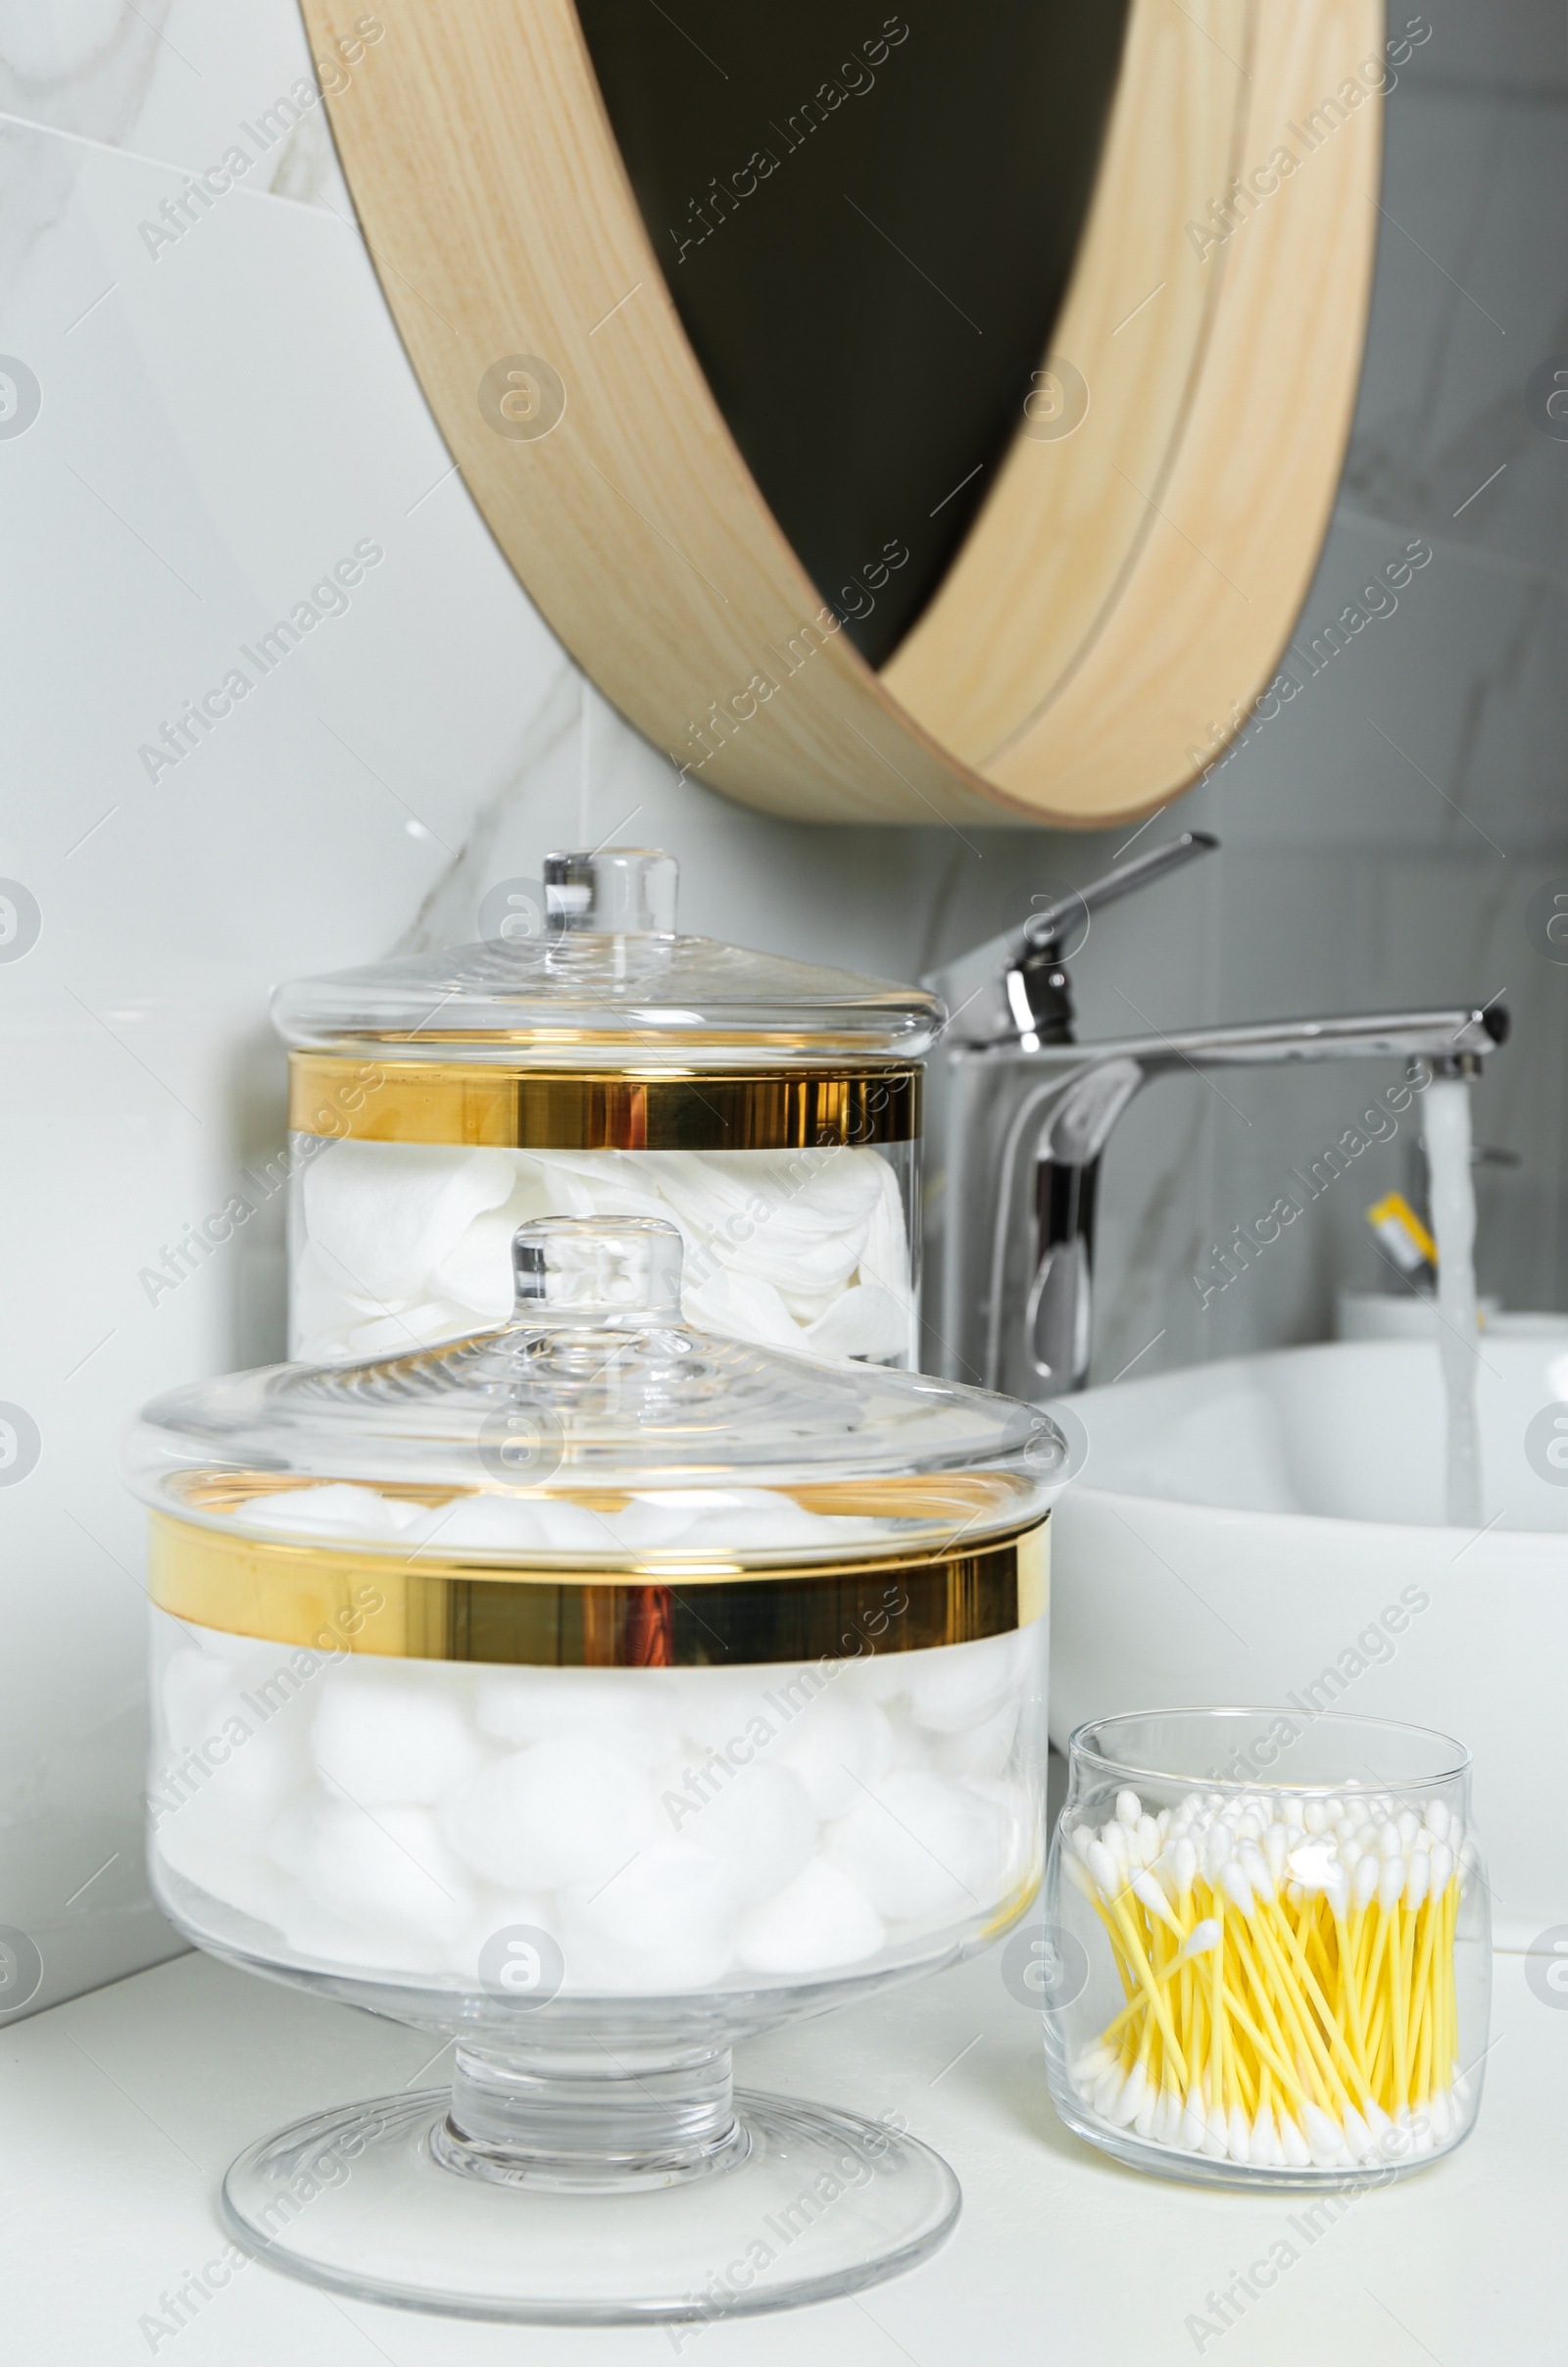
705 1614
368 1099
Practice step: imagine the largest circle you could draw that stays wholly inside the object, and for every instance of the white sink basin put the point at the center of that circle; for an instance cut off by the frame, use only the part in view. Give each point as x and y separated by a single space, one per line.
1266 1528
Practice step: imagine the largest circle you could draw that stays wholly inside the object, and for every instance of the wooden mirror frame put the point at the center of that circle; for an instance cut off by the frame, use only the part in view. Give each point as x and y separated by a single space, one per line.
1124 592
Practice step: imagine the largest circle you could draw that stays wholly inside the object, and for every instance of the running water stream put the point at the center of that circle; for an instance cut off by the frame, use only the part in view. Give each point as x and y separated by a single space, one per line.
1446 1125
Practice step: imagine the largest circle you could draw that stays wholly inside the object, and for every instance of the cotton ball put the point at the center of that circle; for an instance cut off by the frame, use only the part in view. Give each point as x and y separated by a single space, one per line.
914 1745
499 1912
387 1736
960 1684
650 1524
252 1886
984 1749
762 1827
564 1812
520 1525
924 1849
200 1848
765 1518
836 1748
384 1952
254 1658
251 1757
334 1509
883 1676
718 1709
821 1920
716 1518
389 1869
1019 1830
664 1922
198 1692
259 1780
629 1712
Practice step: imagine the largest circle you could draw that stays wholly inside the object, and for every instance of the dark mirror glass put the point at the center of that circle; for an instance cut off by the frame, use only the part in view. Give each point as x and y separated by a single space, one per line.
867 222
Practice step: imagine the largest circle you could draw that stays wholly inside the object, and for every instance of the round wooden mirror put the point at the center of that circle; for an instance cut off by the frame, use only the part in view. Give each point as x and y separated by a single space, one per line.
938 414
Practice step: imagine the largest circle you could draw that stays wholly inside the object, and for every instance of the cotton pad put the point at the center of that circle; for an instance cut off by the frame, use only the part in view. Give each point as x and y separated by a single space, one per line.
405 1244
382 1215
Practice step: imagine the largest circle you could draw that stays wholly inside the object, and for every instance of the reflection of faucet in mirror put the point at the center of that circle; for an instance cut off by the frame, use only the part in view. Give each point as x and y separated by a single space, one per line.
1022 1112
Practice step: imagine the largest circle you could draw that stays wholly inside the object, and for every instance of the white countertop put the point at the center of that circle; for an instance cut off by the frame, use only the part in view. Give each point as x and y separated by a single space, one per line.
122 2108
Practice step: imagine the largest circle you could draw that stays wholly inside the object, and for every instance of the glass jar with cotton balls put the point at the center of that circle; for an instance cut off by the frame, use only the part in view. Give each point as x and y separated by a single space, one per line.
595 1691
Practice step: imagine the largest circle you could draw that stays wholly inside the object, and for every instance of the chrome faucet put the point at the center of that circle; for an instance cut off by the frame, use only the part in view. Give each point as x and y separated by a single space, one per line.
1021 1114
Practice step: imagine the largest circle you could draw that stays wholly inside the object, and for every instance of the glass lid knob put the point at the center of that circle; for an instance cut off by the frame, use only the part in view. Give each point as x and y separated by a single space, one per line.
597 1270
612 892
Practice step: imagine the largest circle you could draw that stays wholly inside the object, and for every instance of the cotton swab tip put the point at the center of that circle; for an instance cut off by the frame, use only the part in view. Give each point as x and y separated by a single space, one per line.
1104 1869
1237 1887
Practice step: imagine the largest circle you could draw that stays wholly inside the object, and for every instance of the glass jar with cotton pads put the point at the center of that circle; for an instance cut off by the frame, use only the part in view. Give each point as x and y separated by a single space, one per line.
595 1691
587 1058
1271 1946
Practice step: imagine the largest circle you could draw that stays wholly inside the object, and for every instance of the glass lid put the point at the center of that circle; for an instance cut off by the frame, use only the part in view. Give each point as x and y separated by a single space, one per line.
577 968
595 1426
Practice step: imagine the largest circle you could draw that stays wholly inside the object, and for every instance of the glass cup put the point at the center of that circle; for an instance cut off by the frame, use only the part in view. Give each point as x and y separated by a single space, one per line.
1269 1947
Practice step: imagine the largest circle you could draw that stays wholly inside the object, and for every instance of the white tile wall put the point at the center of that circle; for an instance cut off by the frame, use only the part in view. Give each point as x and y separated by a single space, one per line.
223 421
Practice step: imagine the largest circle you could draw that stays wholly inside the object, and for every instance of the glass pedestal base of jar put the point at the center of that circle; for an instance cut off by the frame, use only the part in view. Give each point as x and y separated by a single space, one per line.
548 2195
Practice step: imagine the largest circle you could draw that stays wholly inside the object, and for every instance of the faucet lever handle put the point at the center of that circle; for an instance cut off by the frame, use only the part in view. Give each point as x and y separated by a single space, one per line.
1045 932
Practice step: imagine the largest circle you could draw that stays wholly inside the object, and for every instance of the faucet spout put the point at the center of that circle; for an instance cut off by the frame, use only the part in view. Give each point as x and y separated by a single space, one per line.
1021 1115
1416 1035
1025 1126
